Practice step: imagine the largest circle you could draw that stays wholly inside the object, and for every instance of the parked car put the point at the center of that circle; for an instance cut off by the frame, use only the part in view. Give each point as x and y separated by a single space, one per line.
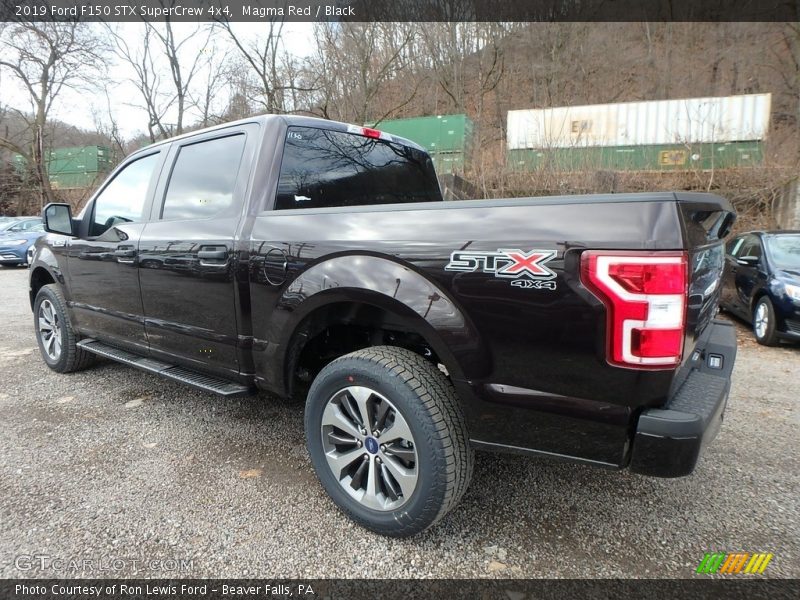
762 283
18 224
317 260
14 246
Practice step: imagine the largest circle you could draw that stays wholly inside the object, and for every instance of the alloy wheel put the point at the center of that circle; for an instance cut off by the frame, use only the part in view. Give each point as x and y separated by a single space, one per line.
369 448
761 320
50 330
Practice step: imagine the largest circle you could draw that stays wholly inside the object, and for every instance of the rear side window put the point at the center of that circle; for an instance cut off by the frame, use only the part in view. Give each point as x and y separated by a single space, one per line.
323 168
203 179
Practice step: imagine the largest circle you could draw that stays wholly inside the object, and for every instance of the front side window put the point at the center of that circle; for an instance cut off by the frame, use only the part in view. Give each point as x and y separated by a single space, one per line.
734 246
204 178
122 200
323 168
751 247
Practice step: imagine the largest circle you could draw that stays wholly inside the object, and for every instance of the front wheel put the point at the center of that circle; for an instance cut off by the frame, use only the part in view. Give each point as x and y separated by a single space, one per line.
54 334
764 325
387 439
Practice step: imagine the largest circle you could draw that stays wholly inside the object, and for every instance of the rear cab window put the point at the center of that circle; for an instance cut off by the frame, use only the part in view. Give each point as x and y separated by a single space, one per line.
323 168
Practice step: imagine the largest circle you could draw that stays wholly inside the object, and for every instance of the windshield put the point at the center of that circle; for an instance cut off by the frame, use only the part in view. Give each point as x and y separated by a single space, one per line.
784 250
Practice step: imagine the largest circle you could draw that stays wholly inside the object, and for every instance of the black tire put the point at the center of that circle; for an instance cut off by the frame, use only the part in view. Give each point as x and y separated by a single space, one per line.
71 357
769 334
427 402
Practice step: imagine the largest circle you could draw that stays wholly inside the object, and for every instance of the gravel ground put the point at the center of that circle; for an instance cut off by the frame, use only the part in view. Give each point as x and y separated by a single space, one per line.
134 473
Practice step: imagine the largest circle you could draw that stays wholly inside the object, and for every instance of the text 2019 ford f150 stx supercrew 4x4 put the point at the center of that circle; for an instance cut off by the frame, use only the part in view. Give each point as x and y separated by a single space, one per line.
317 260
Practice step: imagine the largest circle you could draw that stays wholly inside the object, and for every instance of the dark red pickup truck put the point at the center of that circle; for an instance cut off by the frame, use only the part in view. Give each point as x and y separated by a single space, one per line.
316 259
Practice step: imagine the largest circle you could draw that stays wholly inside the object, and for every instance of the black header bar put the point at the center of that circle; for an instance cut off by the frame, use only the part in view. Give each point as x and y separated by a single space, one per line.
734 588
400 10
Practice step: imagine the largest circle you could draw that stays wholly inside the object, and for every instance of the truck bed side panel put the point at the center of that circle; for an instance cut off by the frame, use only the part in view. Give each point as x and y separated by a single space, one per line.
547 342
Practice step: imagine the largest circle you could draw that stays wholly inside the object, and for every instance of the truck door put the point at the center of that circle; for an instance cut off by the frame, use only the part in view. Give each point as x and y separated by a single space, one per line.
747 275
729 296
103 282
187 255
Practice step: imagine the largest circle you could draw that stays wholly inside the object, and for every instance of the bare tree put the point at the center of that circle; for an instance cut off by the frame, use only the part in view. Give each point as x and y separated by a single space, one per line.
263 55
216 76
106 124
786 55
357 62
164 65
45 59
466 58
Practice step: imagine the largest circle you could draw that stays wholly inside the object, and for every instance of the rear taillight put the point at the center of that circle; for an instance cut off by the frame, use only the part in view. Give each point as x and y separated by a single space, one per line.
645 298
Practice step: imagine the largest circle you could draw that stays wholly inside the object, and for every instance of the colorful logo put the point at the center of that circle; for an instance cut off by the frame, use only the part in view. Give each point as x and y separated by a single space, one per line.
734 562
530 267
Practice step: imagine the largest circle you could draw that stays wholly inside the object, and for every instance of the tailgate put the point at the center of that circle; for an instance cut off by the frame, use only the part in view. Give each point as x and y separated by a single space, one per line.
706 220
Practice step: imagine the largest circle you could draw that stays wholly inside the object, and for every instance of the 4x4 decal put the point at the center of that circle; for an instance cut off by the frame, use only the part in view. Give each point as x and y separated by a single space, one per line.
528 270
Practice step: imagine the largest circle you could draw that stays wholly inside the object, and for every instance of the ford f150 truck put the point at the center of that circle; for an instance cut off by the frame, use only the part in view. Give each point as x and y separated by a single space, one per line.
317 260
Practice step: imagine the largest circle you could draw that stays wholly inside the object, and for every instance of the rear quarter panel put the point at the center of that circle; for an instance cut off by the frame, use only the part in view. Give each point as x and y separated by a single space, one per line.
541 373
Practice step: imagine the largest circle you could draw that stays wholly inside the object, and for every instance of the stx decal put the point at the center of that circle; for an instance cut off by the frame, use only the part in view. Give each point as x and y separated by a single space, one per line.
527 269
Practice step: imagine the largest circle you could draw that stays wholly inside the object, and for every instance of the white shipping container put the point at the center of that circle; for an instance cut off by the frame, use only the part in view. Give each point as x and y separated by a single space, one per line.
687 121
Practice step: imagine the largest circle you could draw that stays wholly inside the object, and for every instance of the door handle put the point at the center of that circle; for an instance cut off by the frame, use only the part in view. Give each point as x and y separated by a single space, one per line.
212 254
125 254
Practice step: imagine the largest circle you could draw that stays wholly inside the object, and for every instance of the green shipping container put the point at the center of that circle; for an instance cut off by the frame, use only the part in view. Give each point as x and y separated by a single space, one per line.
77 167
448 162
640 158
447 138
80 159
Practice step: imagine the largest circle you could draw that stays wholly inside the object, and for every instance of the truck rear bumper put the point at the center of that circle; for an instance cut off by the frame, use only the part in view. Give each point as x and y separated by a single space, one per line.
669 440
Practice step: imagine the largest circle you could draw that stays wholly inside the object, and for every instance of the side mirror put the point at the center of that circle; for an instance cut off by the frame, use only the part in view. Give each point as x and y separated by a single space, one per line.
58 219
748 261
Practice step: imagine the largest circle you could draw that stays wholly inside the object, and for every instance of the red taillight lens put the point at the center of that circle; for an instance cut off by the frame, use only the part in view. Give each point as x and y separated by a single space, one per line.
371 133
645 298
642 278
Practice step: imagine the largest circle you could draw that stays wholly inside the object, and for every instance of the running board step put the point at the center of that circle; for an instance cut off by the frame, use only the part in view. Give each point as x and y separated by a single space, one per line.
208 383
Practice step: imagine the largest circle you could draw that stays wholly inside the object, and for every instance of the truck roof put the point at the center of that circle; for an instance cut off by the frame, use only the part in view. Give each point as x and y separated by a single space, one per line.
290 120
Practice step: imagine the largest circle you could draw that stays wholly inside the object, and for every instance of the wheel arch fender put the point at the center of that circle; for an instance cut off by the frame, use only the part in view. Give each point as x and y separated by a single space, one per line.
44 270
760 293
394 288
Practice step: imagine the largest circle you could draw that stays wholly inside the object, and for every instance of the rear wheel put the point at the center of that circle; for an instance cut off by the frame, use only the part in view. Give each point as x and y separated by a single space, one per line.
54 334
764 325
387 439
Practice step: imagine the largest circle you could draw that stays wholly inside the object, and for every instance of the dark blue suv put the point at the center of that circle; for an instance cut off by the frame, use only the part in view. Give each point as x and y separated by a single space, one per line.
762 283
